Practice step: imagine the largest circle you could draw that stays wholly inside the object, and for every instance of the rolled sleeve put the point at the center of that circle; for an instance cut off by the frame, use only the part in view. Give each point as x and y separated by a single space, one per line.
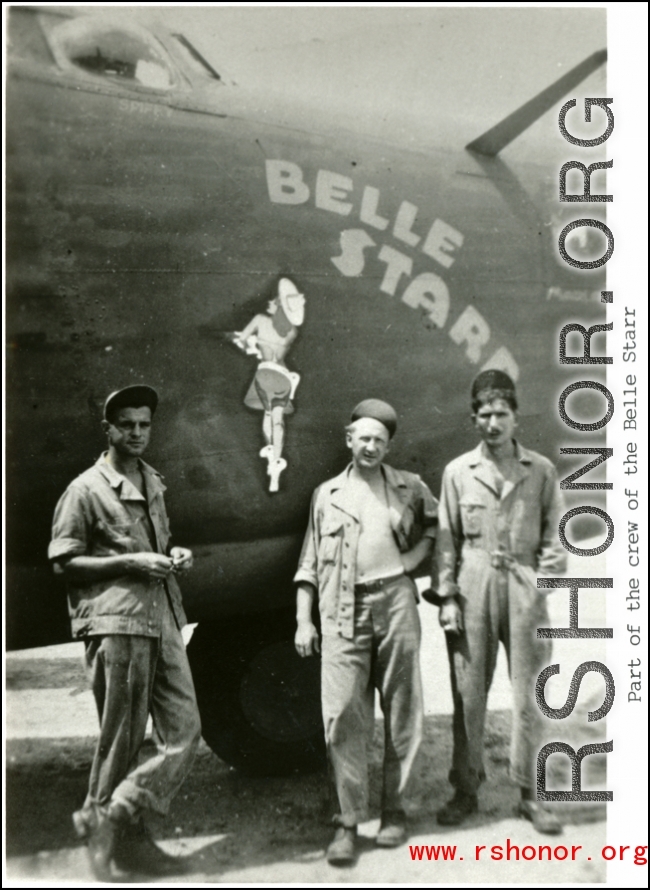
429 512
308 562
70 526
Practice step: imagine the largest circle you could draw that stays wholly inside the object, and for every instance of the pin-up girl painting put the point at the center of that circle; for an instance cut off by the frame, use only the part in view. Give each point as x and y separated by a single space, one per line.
269 338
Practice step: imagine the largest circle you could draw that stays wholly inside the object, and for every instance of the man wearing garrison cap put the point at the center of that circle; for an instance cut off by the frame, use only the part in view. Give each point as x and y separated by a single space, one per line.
369 529
500 508
111 540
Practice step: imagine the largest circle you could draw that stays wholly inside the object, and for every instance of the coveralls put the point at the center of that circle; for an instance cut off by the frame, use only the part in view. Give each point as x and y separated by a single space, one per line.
134 650
490 548
370 639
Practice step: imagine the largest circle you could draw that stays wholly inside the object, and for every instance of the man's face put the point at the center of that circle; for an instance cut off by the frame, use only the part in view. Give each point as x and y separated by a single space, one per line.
496 422
368 441
129 431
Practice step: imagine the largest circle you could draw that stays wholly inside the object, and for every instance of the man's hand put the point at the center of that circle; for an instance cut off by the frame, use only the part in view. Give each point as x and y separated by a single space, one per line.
412 558
153 566
306 639
451 617
182 559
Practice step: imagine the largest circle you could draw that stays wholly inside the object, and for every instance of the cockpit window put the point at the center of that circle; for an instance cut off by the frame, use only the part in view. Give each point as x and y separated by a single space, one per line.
128 55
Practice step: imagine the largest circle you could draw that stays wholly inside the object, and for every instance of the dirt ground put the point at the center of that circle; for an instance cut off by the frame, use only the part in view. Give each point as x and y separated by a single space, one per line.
234 828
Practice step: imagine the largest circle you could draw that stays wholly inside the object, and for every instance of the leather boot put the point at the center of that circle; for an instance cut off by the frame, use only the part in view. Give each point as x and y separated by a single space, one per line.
102 840
392 831
457 809
342 849
545 821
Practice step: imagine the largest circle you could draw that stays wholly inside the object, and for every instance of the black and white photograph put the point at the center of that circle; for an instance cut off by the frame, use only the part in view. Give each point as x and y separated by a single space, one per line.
325 444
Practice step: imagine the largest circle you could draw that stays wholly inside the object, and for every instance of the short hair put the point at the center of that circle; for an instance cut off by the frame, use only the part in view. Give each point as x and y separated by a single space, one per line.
485 396
113 412
349 428
490 385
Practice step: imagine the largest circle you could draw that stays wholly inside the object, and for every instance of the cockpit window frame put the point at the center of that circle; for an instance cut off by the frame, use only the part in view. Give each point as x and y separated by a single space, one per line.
197 56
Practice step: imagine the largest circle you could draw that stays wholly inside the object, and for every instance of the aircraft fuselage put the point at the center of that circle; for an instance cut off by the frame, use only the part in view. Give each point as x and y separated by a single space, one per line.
142 233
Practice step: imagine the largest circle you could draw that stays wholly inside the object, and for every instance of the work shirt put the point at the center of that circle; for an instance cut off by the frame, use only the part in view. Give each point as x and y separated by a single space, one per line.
102 513
329 552
481 528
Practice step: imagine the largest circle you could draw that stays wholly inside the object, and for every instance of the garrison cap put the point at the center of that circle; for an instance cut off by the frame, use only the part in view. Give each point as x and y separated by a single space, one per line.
136 396
492 379
377 410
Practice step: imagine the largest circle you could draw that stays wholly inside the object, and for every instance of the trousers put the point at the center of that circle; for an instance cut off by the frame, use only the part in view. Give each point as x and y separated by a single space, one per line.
504 605
384 654
132 677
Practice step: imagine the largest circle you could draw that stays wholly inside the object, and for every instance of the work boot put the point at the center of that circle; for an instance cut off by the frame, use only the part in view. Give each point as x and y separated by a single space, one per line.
342 849
102 840
137 851
542 818
84 821
457 809
392 831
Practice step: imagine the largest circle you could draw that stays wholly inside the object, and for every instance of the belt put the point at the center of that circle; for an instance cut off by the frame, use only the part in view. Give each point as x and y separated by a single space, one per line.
499 559
379 584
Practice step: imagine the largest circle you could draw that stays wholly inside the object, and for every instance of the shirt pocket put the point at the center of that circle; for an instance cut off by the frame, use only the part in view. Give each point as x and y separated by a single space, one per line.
115 535
331 536
473 512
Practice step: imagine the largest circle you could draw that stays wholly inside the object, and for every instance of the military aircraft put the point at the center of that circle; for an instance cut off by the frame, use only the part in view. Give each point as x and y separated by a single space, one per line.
164 227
